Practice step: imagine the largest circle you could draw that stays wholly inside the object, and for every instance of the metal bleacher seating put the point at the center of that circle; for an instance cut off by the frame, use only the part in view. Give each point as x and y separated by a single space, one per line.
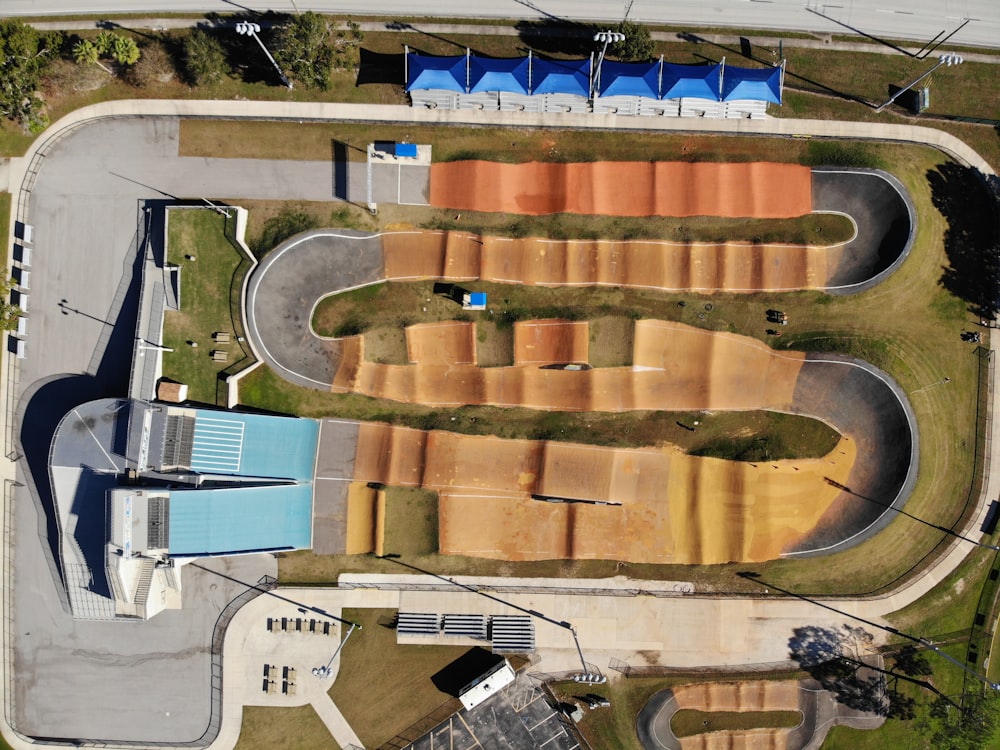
418 623
466 626
512 634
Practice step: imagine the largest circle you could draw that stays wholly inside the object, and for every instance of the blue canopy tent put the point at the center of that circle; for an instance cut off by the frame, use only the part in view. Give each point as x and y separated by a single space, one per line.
694 81
499 74
757 84
425 72
560 76
629 79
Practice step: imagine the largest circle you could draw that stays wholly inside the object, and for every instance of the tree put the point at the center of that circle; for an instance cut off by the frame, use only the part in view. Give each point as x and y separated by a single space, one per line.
8 313
85 52
304 49
638 43
104 42
24 55
125 51
155 66
973 726
204 58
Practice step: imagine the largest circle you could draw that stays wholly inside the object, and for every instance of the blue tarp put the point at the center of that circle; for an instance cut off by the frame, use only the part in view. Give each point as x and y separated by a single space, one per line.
695 81
478 299
495 74
560 77
630 79
447 73
757 84
239 520
408 150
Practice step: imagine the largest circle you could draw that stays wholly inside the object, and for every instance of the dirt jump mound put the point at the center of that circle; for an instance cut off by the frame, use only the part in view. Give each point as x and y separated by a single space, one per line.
761 190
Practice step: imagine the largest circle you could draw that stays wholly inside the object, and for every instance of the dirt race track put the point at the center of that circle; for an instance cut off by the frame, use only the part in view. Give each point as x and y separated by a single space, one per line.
646 264
676 368
760 190
540 500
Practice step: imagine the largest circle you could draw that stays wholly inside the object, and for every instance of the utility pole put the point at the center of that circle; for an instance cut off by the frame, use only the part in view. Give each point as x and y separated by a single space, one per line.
948 60
246 28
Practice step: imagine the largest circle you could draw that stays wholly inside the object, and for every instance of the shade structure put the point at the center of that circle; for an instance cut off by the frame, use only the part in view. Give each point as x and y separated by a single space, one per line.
755 84
498 74
444 73
560 76
691 81
630 79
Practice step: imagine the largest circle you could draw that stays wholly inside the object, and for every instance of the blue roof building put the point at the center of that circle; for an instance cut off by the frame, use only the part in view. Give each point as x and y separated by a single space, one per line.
754 84
446 73
560 76
629 79
499 74
694 81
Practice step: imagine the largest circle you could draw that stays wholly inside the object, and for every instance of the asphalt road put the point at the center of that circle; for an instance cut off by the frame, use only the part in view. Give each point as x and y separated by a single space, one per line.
900 19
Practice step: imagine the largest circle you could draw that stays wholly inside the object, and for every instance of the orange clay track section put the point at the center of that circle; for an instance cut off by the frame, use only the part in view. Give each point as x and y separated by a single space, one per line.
666 506
676 367
649 264
759 190
739 696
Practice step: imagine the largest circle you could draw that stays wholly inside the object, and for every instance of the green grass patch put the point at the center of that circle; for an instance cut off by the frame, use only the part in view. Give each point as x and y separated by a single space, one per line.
298 728
411 521
688 722
384 688
208 286
5 199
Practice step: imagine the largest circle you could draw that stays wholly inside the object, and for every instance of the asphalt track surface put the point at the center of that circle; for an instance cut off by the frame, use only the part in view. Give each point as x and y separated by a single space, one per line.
896 19
818 708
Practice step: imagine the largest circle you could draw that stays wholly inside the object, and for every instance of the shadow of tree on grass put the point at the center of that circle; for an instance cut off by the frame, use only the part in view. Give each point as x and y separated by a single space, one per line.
971 240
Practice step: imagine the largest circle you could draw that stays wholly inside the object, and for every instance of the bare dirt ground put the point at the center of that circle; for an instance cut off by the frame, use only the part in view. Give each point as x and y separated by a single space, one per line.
760 189
648 264
521 499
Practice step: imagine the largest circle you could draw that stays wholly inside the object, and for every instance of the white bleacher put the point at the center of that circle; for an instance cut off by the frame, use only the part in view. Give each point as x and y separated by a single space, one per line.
466 626
487 100
511 102
700 108
512 634
434 99
565 103
618 105
743 108
418 623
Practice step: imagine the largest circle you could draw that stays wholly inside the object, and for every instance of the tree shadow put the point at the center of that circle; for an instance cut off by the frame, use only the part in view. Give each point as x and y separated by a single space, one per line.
380 67
558 37
971 241
834 659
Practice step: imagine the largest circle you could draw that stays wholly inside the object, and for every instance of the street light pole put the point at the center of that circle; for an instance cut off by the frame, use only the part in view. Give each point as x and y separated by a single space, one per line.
246 28
587 675
607 37
948 60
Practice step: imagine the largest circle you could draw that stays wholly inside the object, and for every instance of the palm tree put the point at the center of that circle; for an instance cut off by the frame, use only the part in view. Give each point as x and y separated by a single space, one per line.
85 52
